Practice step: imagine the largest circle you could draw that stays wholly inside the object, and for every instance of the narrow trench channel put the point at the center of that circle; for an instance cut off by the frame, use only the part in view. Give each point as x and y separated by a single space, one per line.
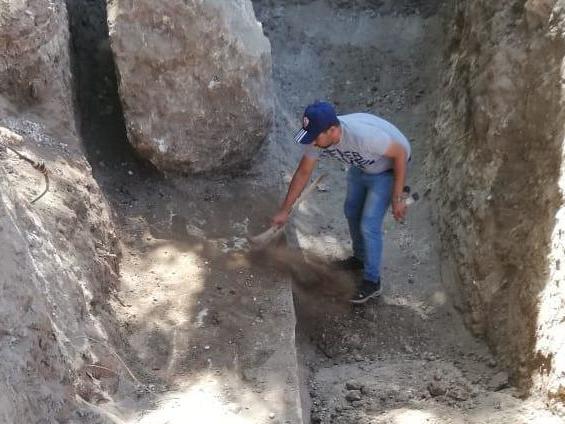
406 358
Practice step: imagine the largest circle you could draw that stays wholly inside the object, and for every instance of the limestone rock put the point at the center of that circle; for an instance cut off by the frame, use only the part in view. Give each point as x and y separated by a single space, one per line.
194 79
353 395
437 388
353 385
35 68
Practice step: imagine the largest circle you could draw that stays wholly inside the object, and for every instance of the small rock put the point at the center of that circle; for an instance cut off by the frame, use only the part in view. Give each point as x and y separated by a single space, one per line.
492 363
355 341
458 393
428 356
403 397
353 395
353 385
392 395
130 172
235 408
271 416
498 381
436 389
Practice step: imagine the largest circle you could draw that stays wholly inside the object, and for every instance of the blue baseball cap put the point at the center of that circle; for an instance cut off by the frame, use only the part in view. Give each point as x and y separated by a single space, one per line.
318 117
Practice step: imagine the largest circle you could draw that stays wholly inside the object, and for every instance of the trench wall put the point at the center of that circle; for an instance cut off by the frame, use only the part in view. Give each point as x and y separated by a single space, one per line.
496 161
58 255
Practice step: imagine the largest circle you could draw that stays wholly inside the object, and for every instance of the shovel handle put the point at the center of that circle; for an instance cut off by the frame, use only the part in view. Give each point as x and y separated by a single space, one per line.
266 237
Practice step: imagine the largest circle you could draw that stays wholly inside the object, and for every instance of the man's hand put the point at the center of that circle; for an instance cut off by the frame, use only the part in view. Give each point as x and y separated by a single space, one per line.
299 180
399 209
280 218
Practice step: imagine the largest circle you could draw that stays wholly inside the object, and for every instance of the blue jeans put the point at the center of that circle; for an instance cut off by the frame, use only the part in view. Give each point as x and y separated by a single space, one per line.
368 198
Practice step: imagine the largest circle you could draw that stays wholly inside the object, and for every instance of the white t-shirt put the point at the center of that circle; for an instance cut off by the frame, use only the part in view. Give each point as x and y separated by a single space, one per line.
364 139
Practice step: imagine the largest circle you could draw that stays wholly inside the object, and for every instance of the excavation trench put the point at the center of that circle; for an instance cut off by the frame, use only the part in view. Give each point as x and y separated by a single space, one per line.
191 303
367 362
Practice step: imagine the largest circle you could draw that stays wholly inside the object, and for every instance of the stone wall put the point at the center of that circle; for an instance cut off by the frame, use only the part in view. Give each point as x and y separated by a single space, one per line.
496 162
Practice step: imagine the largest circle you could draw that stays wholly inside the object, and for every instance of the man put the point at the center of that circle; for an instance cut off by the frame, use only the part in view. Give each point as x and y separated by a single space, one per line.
378 154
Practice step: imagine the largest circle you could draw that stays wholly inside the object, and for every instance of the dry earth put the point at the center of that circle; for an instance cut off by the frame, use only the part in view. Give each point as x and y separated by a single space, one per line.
404 359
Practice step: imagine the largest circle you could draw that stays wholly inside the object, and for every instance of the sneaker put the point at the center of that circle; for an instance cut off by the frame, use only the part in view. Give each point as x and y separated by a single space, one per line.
349 264
367 290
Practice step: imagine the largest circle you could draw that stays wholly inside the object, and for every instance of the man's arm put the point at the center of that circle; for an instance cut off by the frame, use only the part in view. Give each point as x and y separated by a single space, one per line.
299 180
397 153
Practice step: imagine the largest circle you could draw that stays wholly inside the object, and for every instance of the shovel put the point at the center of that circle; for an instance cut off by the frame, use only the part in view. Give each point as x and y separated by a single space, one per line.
265 238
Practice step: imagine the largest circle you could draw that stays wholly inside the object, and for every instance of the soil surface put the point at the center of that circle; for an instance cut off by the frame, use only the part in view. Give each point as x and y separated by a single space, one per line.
405 358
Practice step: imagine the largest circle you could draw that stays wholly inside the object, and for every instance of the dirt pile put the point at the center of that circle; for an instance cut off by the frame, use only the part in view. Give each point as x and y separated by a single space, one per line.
420 391
497 159
313 277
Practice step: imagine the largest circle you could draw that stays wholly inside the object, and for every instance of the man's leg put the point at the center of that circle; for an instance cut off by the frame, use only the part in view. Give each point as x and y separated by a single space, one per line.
376 204
353 209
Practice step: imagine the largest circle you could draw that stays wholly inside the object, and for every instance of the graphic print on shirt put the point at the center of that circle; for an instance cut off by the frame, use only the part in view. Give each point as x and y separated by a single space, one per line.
351 158
364 140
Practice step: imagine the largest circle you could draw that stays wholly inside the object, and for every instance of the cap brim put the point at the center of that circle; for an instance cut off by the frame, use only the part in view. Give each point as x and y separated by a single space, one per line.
304 137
